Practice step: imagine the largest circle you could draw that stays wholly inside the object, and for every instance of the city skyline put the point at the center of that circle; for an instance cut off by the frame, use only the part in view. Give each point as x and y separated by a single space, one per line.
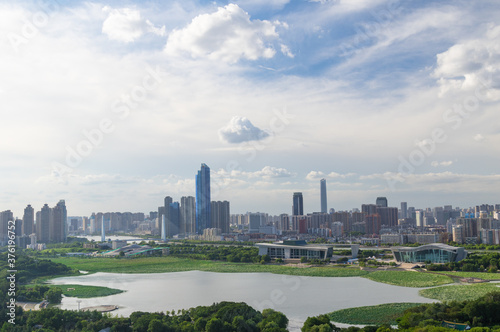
112 105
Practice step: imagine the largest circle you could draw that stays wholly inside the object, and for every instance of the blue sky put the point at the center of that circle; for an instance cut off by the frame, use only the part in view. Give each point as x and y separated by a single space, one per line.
113 105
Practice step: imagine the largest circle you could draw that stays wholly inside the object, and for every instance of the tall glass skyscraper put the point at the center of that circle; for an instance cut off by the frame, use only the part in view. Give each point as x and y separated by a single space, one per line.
324 208
298 204
203 213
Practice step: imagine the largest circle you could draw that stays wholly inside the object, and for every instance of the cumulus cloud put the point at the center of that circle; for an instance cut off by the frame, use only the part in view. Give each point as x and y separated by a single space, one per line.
127 25
317 175
228 35
272 172
472 64
239 130
442 163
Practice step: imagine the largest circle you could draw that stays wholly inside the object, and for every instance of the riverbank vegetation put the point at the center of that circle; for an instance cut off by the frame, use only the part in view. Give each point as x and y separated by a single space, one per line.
371 315
458 292
409 278
175 264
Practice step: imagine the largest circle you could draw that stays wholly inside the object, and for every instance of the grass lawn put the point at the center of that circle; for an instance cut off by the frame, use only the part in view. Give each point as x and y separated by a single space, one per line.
409 278
371 315
174 264
86 291
459 292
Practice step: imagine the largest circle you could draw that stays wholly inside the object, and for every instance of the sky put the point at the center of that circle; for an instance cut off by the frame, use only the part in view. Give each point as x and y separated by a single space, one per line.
112 105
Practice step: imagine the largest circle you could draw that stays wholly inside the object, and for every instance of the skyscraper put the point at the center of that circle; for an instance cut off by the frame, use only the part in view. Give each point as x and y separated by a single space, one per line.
28 220
203 214
404 210
173 220
381 201
324 208
298 204
220 215
188 215
42 224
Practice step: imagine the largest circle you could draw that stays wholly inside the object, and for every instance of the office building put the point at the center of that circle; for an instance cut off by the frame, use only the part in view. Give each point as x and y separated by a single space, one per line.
404 210
172 219
324 208
203 202
298 204
381 201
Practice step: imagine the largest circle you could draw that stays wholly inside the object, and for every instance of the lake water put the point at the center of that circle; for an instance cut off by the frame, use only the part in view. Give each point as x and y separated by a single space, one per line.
297 297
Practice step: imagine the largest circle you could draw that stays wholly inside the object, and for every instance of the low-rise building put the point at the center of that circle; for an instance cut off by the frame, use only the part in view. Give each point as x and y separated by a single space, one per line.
434 253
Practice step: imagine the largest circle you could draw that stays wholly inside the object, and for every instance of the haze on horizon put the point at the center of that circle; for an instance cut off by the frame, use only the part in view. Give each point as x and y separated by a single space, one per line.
112 106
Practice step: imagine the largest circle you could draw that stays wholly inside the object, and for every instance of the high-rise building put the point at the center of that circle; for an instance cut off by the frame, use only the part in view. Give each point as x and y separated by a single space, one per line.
324 208
388 216
5 217
203 214
173 219
253 222
57 223
404 210
369 208
220 215
42 224
28 220
381 201
188 215
298 204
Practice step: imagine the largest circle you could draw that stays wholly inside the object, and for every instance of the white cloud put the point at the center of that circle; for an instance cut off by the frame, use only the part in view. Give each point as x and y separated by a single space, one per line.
239 130
478 138
286 51
227 35
472 64
317 175
127 25
442 163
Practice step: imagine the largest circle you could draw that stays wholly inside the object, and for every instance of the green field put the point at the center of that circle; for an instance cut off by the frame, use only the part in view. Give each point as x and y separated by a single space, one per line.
173 264
371 315
480 275
86 291
409 278
459 292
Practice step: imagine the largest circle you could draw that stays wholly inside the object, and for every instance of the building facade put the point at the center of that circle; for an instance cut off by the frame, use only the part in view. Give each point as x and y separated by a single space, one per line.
203 202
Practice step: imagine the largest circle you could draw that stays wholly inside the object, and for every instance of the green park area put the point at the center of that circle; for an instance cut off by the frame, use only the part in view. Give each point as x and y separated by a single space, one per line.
83 291
371 315
175 264
409 278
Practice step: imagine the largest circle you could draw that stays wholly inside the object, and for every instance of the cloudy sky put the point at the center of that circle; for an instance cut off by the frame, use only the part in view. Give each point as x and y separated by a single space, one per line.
113 105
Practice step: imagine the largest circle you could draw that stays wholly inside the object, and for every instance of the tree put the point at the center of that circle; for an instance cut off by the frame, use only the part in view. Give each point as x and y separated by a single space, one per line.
317 321
155 325
54 295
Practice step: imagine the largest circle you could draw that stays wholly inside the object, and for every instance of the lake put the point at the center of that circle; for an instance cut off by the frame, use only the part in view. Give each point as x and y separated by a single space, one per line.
296 296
